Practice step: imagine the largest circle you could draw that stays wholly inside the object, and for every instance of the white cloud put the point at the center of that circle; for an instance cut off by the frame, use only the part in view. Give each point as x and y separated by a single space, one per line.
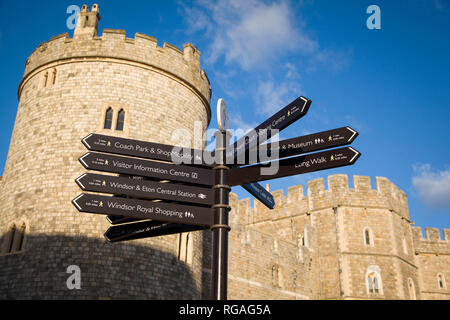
252 34
240 127
258 47
433 187
271 96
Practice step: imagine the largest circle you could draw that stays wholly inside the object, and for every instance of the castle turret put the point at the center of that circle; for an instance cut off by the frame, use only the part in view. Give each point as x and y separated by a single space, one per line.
72 87
87 23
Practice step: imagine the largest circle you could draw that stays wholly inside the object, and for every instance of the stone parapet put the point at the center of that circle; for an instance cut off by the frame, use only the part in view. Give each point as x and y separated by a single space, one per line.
113 44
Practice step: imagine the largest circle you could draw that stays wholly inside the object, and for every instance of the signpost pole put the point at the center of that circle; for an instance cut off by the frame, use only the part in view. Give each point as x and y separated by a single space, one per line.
220 228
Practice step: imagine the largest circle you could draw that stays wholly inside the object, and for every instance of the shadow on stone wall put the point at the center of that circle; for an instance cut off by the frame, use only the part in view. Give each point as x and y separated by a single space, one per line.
206 265
108 271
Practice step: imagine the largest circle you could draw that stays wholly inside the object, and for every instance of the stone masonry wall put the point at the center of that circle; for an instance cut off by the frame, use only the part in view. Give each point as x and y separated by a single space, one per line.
324 231
433 258
67 87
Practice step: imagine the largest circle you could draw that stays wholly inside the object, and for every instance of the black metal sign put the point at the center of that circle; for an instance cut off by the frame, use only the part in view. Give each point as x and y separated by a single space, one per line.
282 119
144 209
147 168
147 229
143 149
209 207
297 165
305 144
114 220
145 189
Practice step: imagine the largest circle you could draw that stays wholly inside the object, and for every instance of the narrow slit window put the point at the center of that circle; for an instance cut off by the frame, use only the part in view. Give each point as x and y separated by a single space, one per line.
120 120
54 77
441 281
108 118
21 237
368 238
45 79
11 236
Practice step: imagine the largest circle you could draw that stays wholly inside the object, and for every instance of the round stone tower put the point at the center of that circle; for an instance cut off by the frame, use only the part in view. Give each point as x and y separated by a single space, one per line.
72 87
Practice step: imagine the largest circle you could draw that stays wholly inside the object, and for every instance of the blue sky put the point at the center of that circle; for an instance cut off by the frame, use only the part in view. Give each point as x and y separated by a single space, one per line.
392 85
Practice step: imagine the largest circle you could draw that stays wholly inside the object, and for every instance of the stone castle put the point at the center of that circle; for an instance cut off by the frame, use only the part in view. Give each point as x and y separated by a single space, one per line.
330 243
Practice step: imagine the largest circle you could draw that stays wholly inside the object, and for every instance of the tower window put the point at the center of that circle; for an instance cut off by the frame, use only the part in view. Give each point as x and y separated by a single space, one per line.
15 239
44 84
120 120
441 281
21 237
368 237
374 283
53 76
10 238
108 119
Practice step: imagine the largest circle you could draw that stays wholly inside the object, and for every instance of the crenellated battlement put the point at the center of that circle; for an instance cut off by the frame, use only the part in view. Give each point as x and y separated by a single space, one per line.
432 243
113 45
431 235
385 196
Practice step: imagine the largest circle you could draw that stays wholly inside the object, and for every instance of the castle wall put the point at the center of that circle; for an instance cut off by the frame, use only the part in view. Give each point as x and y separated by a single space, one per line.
433 258
67 87
182 66
327 228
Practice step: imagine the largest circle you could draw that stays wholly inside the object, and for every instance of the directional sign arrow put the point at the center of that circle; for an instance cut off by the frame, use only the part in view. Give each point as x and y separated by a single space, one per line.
145 189
264 196
142 209
300 145
293 166
147 229
114 220
282 119
147 168
143 149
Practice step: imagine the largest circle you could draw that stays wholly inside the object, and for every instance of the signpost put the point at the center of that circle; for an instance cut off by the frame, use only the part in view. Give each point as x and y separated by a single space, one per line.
142 149
309 143
145 189
297 165
222 115
114 220
264 196
158 197
282 119
147 229
142 209
147 168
